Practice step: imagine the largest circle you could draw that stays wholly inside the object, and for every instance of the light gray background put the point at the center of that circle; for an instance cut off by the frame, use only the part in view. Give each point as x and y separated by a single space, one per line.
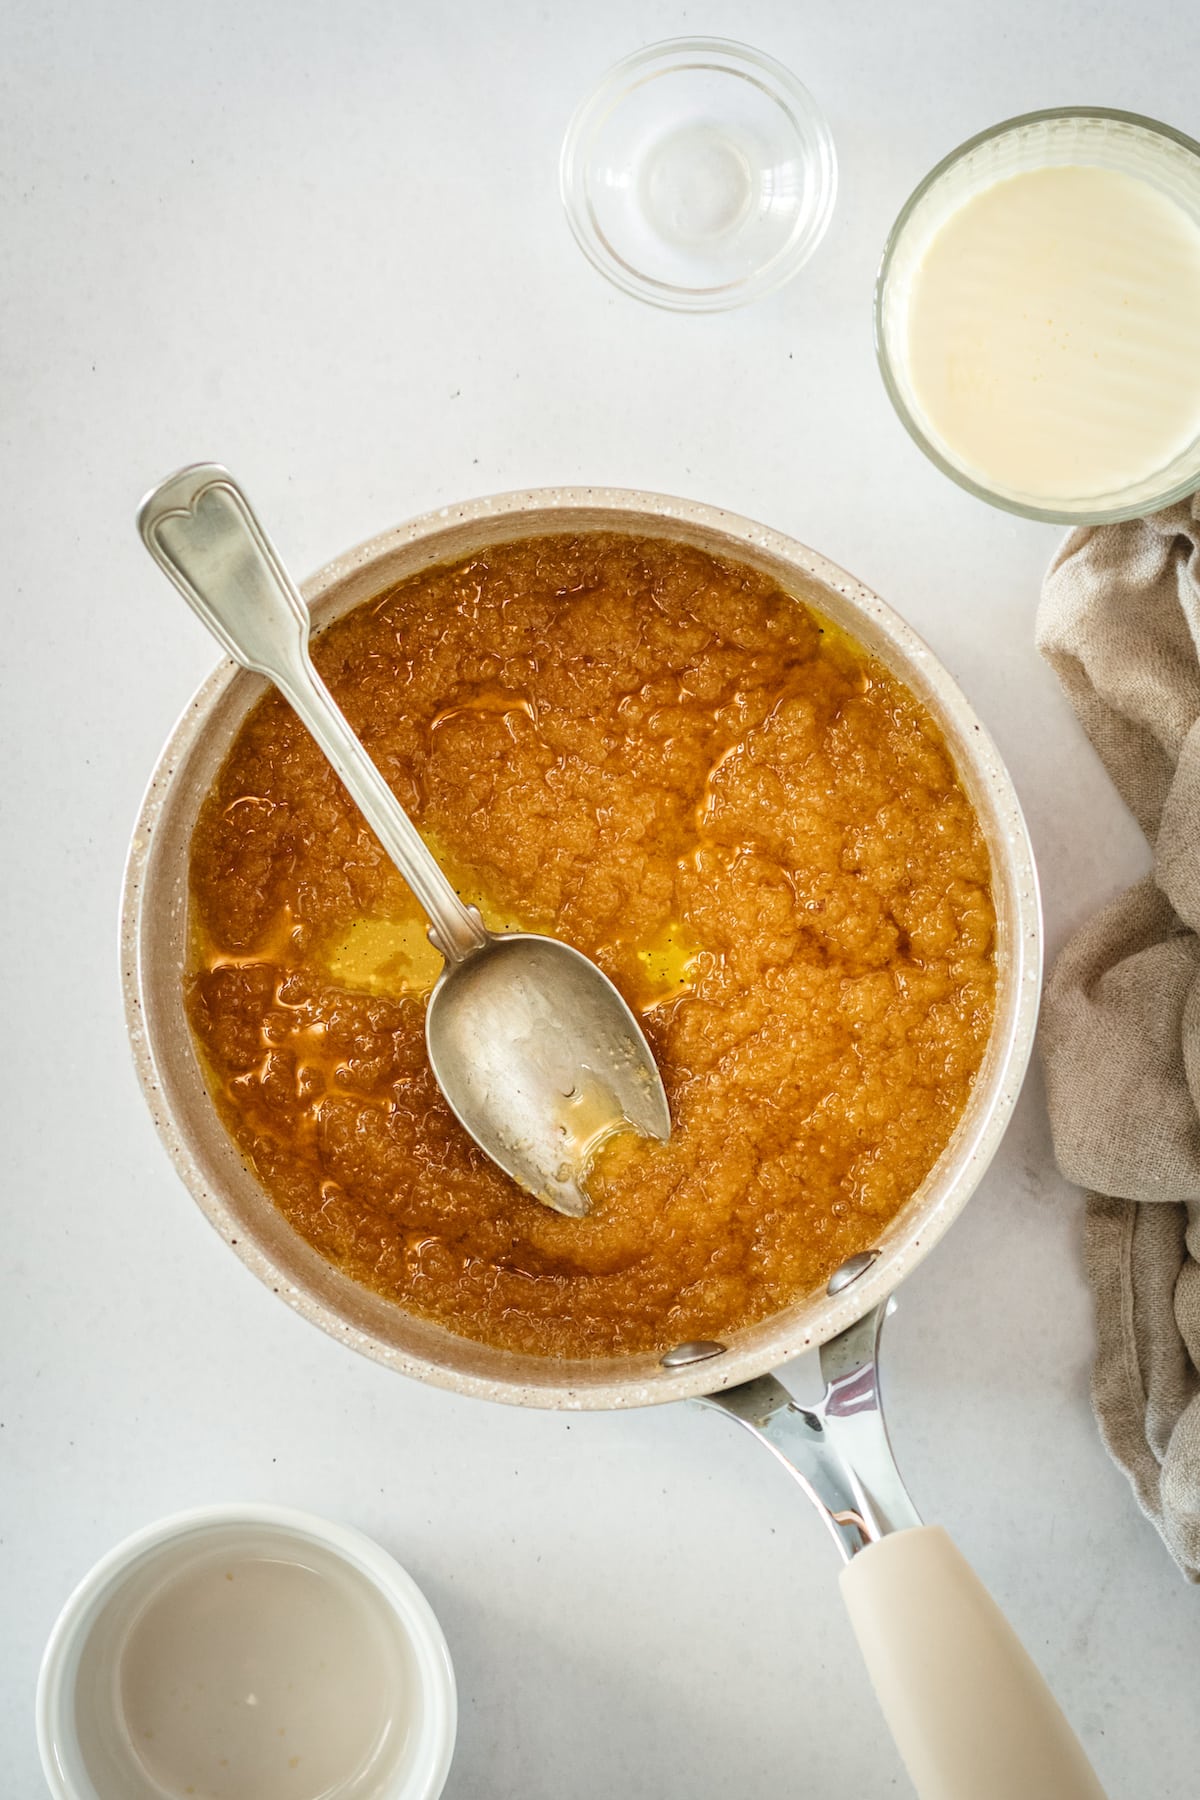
322 242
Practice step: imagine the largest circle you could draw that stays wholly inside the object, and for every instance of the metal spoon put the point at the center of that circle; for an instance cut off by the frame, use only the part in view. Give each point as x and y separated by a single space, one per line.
533 1047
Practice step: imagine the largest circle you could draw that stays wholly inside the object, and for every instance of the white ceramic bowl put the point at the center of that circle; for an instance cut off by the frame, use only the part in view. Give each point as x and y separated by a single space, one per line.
81 1753
154 940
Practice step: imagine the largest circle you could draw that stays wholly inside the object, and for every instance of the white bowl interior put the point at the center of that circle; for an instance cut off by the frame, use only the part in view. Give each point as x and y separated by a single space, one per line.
89 1743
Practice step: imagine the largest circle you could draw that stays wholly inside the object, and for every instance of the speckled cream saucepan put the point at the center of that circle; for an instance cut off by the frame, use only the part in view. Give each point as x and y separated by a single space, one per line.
900 1577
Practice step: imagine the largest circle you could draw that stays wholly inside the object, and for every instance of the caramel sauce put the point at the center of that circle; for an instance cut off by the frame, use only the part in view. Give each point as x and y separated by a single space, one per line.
754 829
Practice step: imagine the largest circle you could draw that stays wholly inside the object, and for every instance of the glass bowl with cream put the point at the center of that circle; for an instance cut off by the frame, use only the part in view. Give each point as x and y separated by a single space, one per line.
1037 315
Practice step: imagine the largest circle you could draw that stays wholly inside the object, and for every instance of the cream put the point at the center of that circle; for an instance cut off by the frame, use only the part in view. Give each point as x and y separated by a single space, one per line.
1053 333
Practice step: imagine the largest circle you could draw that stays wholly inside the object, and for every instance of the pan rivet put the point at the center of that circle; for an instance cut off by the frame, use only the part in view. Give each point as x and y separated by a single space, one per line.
850 1271
683 1354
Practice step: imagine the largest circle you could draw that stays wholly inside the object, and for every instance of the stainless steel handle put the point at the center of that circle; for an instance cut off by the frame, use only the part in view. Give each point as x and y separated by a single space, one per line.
968 1710
201 530
838 1450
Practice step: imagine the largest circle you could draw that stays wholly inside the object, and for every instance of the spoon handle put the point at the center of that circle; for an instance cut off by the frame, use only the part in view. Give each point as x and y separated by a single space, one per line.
201 530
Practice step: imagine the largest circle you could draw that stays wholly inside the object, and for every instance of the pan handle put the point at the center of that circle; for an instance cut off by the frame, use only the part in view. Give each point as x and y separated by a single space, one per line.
971 1716
969 1712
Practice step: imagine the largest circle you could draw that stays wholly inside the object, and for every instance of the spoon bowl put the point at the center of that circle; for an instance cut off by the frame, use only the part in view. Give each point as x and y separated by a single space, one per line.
542 1062
534 1049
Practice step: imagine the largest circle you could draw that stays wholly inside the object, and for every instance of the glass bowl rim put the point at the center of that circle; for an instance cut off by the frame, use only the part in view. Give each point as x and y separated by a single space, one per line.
1111 515
598 105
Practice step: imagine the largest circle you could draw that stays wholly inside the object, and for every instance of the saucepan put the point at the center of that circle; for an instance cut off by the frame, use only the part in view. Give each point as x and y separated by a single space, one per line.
971 1715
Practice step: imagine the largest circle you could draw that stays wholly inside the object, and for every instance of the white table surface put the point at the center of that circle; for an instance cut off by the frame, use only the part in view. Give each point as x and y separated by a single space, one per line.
323 243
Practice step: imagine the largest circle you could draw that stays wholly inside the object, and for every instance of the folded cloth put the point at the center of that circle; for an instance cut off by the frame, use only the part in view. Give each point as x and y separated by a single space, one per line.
1119 622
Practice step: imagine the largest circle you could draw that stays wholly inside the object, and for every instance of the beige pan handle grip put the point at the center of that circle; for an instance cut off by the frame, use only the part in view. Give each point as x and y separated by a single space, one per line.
971 1716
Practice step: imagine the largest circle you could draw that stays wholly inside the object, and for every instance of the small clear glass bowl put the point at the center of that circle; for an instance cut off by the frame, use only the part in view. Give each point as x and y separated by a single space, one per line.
698 175
1095 135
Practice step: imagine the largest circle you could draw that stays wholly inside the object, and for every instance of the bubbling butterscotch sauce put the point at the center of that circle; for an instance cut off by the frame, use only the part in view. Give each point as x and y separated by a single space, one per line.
754 830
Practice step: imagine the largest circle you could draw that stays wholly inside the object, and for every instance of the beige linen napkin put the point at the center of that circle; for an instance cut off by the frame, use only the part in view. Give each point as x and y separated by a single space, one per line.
1120 624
